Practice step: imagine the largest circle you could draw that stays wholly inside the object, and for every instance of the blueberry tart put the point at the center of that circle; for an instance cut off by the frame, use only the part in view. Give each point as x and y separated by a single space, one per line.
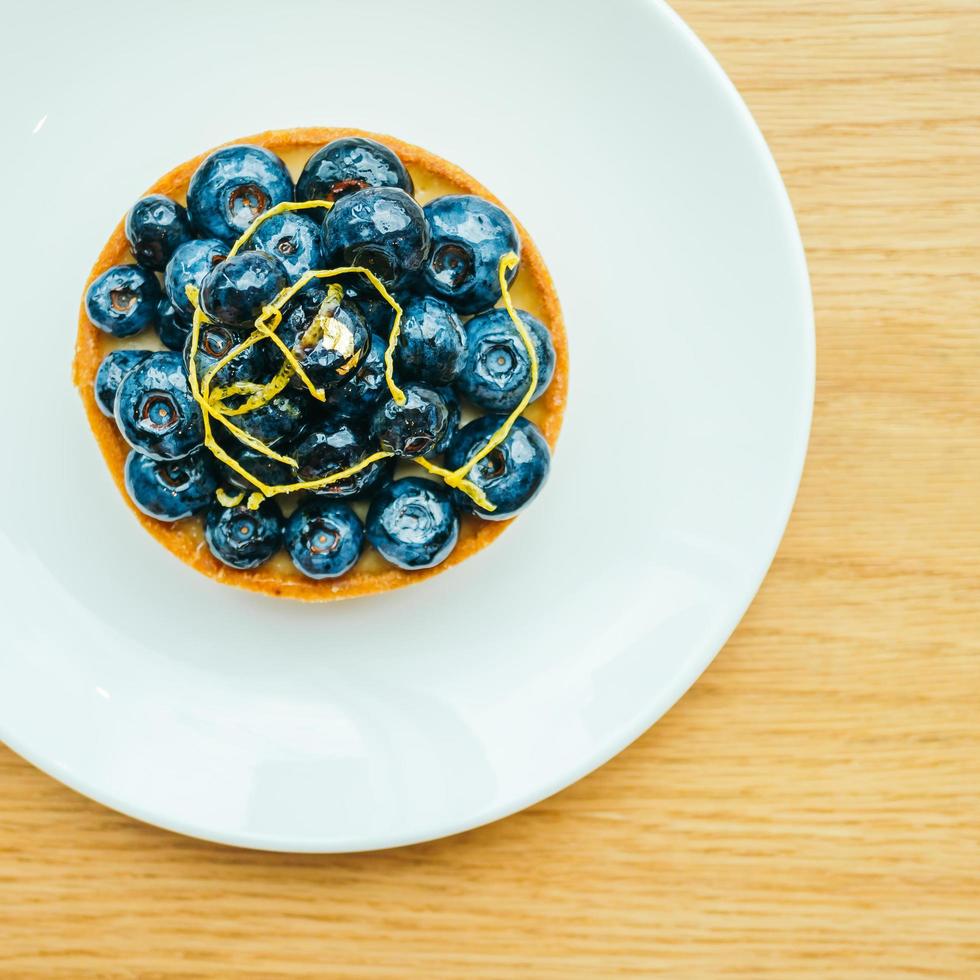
322 363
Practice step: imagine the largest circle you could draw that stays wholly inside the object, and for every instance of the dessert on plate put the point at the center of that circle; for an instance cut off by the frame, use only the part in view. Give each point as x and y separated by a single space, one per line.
322 363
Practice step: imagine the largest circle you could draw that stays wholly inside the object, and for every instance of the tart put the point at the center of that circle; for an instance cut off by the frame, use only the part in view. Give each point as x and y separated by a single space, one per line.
322 363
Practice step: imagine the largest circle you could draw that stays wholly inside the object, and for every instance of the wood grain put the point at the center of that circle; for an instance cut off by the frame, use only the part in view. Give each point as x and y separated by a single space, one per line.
810 809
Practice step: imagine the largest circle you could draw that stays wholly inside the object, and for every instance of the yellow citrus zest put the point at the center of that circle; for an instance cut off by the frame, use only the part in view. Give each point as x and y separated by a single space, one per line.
261 332
233 390
307 277
460 483
208 411
229 499
260 394
213 403
457 478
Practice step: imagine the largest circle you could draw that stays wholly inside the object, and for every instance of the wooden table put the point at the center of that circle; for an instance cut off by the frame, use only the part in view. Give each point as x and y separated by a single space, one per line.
811 808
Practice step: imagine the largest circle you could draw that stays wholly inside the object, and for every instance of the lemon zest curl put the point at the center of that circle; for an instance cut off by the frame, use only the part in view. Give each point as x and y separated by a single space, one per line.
215 403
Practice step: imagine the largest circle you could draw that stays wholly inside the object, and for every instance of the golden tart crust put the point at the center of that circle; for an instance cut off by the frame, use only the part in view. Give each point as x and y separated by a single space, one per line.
278 577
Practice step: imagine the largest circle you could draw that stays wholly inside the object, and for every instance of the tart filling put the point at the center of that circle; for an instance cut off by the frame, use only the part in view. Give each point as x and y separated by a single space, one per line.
365 370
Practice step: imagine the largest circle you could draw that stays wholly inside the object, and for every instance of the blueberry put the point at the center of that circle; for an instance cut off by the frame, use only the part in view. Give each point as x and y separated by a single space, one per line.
334 446
324 539
431 343
510 475
362 484
412 523
155 226
377 313
277 420
497 369
233 186
270 471
376 310
327 449
293 238
349 164
123 300
413 428
469 237
451 399
155 410
214 342
243 538
235 291
300 311
360 395
188 266
173 327
335 348
329 341
114 367
170 489
382 229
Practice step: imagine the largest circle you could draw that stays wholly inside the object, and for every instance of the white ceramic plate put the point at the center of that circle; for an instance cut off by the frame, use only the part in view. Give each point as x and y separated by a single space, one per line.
627 153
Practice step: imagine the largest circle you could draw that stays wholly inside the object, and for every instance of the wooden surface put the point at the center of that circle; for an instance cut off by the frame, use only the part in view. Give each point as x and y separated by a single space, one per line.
811 808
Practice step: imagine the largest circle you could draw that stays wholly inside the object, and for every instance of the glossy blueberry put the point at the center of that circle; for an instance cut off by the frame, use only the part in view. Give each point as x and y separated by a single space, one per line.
334 351
114 367
233 186
380 228
276 420
350 164
330 342
155 410
123 300
378 315
293 238
451 399
243 538
359 397
270 471
173 327
510 475
431 342
412 523
155 226
327 449
469 237
188 266
497 369
414 428
334 446
362 484
300 311
235 290
170 489
377 312
324 539
214 342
